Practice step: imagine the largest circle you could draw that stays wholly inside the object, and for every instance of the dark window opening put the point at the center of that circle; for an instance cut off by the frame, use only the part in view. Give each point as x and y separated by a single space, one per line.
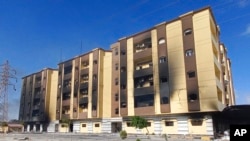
97 125
164 80
191 74
116 51
123 86
116 97
146 43
123 105
83 125
192 97
67 69
169 123
189 52
116 111
144 100
123 52
164 100
116 81
148 124
196 122
129 124
94 76
93 107
162 59
123 69
187 31
116 66
95 62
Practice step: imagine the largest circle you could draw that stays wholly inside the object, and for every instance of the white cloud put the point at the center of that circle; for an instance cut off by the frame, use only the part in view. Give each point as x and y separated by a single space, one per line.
248 100
247 31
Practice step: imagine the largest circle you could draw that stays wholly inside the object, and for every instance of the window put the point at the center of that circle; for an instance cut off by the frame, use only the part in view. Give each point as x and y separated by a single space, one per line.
191 74
192 97
163 80
123 105
163 59
129 124
116 97
187 31
123 52
161 41
116 66
196 122
123 86
148 124
95 61
144 100
116 111
123 69
94 76
83 125
116 81
169 123
116 51
164 100
93 107
97 125
189 52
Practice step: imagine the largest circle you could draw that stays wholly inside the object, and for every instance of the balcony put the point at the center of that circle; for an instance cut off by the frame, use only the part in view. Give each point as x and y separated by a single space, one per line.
38 84
84 71
67 76
65 116
83 115
143 72
83 101
66 102
66 89
144 91
84 85
142 54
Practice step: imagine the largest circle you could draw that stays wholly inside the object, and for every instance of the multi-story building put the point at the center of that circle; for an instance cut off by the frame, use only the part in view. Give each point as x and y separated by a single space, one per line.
83 90
38 96
172 74
176 75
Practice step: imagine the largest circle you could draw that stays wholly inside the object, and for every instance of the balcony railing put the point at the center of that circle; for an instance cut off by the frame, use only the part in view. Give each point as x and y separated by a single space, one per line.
143 72
144 91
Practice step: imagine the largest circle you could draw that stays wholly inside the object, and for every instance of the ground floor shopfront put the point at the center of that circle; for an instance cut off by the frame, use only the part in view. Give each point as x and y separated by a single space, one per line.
196 124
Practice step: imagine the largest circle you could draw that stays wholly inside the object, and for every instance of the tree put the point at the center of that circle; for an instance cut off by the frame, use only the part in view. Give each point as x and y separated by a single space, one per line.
139 122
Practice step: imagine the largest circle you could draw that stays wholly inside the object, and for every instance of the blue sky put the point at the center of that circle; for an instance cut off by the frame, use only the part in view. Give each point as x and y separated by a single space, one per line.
35 34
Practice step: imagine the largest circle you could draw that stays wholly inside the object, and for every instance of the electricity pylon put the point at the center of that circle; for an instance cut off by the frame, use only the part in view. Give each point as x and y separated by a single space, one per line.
6 73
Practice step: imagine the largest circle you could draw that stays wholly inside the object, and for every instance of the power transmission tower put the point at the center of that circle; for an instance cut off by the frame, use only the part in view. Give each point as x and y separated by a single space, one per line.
6 73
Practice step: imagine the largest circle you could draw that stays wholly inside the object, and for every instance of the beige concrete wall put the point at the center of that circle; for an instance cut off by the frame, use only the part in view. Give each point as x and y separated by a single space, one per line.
205 59
97 129
84 129
200 130
130 76
53 94
169 129
107 78
90 85
155 60
177 75
63 129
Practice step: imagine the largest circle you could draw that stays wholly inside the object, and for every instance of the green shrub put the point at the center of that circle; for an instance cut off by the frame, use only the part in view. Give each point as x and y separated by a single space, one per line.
123 134
138 140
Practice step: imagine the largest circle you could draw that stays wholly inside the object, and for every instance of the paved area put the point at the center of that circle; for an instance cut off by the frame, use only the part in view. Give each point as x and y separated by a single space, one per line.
82 137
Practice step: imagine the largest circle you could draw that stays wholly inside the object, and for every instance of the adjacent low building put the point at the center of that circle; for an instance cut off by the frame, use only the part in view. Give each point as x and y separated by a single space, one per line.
176 74
38 100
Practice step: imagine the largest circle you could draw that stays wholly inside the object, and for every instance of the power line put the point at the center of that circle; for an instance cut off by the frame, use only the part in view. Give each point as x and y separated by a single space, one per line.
6 73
